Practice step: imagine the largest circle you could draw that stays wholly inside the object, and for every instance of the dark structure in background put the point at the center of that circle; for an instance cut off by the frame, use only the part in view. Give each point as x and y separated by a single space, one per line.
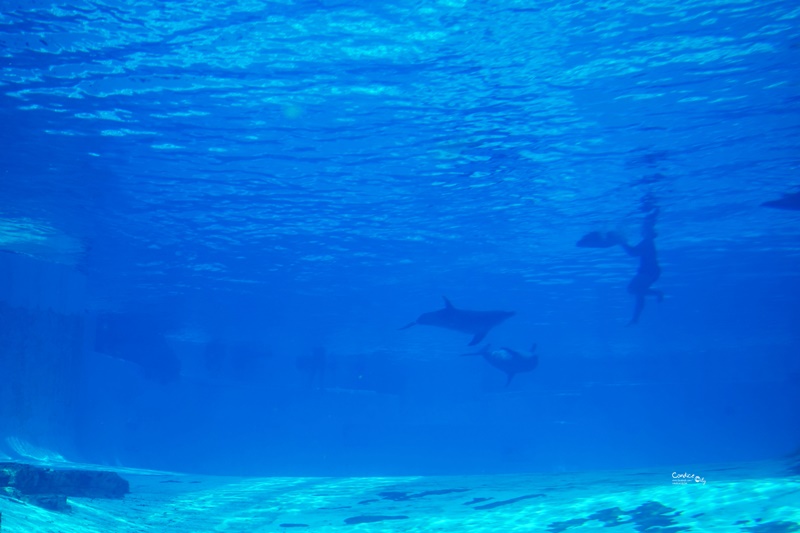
41 353
238 361
141 340
313 367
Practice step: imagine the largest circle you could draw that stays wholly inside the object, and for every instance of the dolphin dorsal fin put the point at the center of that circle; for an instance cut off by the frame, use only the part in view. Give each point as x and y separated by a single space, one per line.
478 337
447 304
510 377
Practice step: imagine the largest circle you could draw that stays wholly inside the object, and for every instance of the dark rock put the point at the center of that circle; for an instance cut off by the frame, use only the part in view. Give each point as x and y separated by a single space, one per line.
9 492
50 488
51 502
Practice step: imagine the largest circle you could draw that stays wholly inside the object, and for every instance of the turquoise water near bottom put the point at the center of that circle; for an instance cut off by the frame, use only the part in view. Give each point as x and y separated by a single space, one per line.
745 497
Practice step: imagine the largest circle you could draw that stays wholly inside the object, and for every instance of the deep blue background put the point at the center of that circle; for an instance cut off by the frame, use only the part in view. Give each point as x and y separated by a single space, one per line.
275 176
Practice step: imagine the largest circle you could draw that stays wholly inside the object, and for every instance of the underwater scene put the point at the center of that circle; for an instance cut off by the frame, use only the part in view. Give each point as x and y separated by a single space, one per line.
399 266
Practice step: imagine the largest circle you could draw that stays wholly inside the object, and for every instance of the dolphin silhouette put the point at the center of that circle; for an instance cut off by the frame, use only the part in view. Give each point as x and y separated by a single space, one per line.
476 323
509 361
599 239
789 201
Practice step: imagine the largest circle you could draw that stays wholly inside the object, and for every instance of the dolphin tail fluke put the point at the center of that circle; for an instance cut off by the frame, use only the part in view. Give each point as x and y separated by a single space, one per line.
478 337
408 325
483 351
510 377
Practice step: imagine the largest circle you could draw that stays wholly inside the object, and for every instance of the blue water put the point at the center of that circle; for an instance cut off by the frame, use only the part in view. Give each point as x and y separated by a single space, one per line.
231 185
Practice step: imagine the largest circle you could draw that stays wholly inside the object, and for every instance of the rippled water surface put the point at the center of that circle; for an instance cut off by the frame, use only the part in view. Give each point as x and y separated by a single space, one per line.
369 151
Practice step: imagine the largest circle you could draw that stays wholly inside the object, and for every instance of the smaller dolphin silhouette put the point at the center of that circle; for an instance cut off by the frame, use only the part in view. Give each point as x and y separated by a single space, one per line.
789 201
509 361
476 323
598 239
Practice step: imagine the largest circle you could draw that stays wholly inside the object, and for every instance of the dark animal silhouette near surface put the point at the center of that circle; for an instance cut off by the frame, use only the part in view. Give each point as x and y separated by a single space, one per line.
598 239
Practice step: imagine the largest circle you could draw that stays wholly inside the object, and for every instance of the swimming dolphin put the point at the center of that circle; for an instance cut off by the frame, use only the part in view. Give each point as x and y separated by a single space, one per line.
509 361
789 201
477 323
599 239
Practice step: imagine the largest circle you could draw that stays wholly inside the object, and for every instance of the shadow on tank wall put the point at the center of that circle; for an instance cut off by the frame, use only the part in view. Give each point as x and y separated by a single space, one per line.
41 344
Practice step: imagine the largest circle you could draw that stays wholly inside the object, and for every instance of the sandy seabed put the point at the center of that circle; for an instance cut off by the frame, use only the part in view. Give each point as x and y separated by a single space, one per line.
752 497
